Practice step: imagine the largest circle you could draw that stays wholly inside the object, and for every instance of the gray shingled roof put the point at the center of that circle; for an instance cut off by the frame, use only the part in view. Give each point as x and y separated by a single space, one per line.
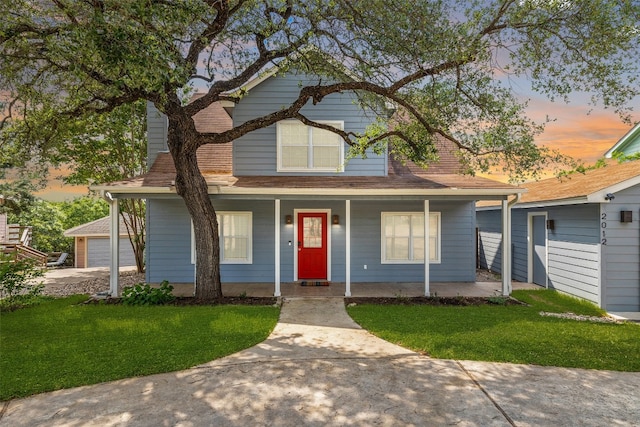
99 227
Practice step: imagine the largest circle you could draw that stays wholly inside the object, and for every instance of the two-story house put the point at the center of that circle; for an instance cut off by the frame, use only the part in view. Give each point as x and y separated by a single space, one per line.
291 209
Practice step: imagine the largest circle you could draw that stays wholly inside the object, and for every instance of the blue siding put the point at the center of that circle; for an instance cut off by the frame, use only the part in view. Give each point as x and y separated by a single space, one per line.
574 269
490 239
255 153
519 245
156 133
458 241
168 242
621 254
262 268
608 275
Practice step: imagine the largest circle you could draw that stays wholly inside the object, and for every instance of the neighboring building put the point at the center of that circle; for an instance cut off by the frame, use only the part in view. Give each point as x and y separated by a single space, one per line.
290 209
628 145
579 235
92 248
3 228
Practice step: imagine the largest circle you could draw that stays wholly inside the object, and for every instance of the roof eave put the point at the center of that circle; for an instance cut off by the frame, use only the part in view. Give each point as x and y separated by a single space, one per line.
92 235
113 189
363 192
229 190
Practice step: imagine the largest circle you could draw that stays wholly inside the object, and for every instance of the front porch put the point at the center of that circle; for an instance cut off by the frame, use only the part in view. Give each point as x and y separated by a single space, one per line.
337 289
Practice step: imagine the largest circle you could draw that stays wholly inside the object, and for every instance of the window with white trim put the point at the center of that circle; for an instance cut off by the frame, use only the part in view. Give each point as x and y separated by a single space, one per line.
303 148
236 238
403 237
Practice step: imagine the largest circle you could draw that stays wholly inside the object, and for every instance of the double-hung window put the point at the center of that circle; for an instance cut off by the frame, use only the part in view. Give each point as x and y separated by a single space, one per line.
403 237
303 148
235 231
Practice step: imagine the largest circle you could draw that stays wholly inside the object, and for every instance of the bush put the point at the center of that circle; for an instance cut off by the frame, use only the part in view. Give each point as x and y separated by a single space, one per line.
144 294
17 282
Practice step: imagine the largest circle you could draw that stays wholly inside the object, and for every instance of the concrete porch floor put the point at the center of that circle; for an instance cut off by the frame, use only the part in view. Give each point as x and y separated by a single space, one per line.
337 289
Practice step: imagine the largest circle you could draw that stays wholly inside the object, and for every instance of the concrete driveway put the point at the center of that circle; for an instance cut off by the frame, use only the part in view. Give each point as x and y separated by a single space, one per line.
319 368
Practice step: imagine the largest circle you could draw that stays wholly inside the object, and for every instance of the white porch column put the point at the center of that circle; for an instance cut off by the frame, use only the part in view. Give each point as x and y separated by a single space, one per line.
114 245
427 247
506 248
347 236
276 292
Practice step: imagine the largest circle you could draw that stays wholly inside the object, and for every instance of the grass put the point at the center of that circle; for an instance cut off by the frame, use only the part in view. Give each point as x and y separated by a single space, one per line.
60 344
515 334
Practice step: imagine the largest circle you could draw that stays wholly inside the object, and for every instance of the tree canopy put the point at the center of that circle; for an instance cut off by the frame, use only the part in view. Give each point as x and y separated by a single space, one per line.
444 64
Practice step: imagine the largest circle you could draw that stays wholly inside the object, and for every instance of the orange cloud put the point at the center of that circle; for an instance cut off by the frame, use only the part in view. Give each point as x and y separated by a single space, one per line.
58 191
576 131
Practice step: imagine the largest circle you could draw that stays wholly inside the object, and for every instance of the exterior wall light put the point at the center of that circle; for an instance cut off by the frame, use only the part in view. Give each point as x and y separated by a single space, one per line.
335 220
626 216
288 219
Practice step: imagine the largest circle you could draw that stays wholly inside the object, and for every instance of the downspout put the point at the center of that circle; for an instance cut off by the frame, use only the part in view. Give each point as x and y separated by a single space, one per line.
506 244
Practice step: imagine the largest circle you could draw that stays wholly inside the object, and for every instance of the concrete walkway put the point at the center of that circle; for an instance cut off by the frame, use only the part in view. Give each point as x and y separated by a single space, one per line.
318 368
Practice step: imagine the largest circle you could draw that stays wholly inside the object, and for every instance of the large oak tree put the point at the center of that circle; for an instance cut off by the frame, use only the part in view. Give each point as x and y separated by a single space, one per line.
444 64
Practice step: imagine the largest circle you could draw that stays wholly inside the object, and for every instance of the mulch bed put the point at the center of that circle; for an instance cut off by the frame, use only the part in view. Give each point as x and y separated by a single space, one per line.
190 301
438 301
236 300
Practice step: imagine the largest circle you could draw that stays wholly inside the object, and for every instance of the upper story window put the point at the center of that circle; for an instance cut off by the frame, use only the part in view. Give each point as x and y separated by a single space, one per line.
303 148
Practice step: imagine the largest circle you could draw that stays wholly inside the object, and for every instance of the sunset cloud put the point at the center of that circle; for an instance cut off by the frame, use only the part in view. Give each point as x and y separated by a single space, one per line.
577 131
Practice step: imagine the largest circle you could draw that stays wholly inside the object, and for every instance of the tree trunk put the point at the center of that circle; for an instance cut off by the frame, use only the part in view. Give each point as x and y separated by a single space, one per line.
192 187
133 215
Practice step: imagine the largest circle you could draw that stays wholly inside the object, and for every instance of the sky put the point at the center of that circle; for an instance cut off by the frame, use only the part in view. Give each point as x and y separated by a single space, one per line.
578 131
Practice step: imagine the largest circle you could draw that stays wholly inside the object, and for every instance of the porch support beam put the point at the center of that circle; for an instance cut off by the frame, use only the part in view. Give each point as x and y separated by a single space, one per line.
114 246
506 248
427 246
347 236
276 292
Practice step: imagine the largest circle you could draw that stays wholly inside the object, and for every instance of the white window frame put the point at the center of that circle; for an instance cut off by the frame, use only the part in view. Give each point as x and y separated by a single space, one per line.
248 259
338 124
433 258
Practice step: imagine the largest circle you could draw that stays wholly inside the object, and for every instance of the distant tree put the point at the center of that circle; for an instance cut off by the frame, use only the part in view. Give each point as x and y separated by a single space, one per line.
47 222
109 147
17 195
82 210
444 63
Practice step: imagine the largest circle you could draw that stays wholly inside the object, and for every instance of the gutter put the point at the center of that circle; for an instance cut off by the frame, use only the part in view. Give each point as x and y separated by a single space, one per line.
278 191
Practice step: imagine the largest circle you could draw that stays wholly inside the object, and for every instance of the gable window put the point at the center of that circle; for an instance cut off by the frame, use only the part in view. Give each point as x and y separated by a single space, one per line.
235 231
403 237
303 148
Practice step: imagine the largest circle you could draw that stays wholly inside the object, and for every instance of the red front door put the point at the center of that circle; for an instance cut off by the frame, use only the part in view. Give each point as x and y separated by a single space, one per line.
312 245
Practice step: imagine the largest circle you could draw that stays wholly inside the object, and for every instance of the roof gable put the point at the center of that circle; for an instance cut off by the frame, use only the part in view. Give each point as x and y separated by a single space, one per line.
99 227
628 144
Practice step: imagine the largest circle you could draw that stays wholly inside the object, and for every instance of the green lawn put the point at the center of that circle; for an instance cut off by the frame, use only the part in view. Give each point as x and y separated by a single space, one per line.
516 334
60 344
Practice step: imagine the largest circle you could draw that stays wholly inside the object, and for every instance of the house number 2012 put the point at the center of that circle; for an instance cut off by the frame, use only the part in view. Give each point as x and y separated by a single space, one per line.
603 226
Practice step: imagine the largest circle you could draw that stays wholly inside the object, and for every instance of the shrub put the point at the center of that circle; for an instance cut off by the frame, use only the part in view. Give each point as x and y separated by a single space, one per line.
144 294
17 282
